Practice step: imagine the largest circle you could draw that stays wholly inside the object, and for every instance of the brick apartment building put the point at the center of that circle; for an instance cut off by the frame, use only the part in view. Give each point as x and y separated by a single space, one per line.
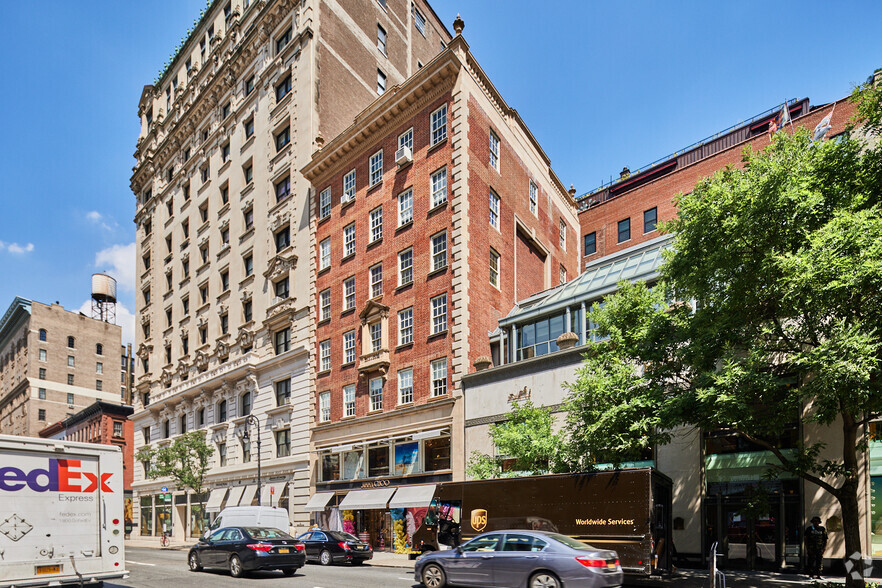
434 213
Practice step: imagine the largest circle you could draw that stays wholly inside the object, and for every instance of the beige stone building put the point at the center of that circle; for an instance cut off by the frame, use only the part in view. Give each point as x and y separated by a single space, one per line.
223 233
53 363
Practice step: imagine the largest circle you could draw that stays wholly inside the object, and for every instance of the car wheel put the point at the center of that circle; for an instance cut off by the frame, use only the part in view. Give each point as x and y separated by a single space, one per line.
236 567
433 576
289 571
543 580
193 562
325 557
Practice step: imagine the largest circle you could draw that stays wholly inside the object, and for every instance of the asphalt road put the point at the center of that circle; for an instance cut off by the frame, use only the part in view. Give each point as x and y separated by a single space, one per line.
156 568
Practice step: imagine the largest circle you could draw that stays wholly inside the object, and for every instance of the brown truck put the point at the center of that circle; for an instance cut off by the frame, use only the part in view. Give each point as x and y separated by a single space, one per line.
628 511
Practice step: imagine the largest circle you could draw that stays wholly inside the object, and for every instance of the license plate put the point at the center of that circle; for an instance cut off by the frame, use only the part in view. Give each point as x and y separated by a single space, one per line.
284 550
611 566
48 570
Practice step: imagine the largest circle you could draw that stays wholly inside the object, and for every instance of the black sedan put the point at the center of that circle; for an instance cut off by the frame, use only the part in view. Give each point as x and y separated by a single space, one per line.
245 549
327 547
517 559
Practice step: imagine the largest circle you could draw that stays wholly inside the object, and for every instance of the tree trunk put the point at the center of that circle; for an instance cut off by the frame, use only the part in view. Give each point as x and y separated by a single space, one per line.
851 527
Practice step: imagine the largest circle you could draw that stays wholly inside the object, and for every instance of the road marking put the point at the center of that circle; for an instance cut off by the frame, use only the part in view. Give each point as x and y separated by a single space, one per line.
408 579
138 563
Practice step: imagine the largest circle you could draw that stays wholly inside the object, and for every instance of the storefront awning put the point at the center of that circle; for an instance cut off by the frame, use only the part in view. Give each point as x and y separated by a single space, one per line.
215 499
248 495
367 499
413 496
318 501
235 495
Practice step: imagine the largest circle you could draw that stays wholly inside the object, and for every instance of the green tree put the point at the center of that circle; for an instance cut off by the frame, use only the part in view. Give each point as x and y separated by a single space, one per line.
783 257
185 460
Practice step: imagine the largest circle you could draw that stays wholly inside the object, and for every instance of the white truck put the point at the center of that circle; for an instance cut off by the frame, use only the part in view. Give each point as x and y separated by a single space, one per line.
61 512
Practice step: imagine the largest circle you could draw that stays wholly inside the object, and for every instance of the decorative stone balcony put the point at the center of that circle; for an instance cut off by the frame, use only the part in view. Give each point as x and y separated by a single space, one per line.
374 361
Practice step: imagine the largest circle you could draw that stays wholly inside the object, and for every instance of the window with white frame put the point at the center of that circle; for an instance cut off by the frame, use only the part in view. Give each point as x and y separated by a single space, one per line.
534 198
439 187
494 210
376 224
439 314
348 187
377 280
376 394
325 305
349 400
405 386
325 355
325 203
325 254
419 21
405 267
563 275
439 377
348 347
349 240
381 82
405 207
324 407
405 326
563 234
405 139
349 293
494 151
439 125
494 268
381 39
376 333
376 168
439 251
99 368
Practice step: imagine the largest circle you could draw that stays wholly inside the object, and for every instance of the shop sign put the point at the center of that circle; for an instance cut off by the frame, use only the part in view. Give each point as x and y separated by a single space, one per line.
375 484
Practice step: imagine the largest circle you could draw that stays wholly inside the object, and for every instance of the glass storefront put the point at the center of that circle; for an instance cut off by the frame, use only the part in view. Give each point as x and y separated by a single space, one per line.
163 514
146 516
876 489
199 518
387 459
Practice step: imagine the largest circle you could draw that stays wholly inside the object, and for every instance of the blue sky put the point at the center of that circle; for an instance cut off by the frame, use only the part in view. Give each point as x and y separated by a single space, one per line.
601 85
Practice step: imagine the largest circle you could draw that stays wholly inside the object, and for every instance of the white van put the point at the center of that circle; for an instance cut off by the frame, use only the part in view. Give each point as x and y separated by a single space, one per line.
251 516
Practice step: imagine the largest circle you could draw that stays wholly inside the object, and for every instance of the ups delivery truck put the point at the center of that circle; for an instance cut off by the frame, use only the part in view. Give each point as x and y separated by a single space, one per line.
61 512
628 511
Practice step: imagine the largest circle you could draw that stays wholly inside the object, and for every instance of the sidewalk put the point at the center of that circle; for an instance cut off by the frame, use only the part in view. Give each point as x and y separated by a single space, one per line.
685 578
384 559
153 543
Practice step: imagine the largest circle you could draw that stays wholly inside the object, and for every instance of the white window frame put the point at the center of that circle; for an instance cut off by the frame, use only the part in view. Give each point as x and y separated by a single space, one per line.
419 21
376 280
349 347
405 267
439 377
439 251
349 293
349 400
494 268
348 187
375 393
438 305
562 227
494 150
494 210
325 254
405 207
325 203
405 386
349 240
381 82
325 355
405 326
438 124
325 406
534 198
563 275
375 332
438 187
325 304
381 39
376 219
405 139
375 167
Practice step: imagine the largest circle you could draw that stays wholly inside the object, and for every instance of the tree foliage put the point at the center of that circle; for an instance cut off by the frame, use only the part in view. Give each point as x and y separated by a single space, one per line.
185 460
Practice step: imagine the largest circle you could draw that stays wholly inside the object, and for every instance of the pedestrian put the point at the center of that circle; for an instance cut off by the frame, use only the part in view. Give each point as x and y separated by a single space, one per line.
815 544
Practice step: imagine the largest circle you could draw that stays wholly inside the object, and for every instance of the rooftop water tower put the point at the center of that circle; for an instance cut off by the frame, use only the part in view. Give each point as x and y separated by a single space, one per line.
104 298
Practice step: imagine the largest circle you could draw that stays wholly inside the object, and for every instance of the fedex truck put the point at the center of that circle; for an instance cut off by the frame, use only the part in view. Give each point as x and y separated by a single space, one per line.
61 512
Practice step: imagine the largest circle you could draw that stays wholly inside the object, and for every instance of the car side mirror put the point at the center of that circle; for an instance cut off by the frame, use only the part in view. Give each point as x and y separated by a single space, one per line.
458 549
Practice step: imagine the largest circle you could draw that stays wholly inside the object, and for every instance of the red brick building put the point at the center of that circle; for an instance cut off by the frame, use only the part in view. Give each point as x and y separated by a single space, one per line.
435 212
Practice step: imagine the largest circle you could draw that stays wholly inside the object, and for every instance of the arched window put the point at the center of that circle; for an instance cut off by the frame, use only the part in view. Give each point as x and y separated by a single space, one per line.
222 411
42 334
70 342
99 349
246 404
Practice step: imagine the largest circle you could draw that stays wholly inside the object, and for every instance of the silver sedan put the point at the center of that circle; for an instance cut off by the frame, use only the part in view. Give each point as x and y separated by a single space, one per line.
517 559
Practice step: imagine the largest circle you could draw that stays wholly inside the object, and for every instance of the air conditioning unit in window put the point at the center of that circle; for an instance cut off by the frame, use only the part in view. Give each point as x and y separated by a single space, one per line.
403 156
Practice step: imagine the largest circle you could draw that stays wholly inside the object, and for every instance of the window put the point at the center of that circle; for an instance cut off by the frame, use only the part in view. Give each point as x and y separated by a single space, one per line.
42 373
248 172
376 168
381 82
439 377
283 40
249 86
376 224
71 361
439 251
203 294
325 304
563 234
222 454
225 280
494 210
248 217
376 334
282 88
650 219
624 230
182 424
540 337
203 212
283 138
405 207
70 397
381 39
225 152
43 355
42 393
439 187
245 404
348 347
405 267
203 175
225 194
225 111
563 275
439 314
325 355
405 326
99 368
225 237
166 429
247 315
591 243
494 268
203 335
42 334
419 21
349 294
324 407
349 400
283 239
222 411
248 264
283 443
405 386
283 392
281 289
325 254
41 414
349 240
249 128
225 324
494 151
534 198
70 342
376 394
377 280
405 139
325 203
349 187
282 341
283 189
146 293
439 125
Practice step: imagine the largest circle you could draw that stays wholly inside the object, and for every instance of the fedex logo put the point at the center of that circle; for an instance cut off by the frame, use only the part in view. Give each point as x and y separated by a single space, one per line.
62 475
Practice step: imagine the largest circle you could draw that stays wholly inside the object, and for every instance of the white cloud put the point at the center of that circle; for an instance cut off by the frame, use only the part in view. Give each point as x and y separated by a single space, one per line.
16 248
124 318
119 262
93 216
108 224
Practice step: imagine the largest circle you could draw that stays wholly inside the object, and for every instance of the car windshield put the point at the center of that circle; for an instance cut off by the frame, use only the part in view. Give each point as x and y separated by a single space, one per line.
266 533
341 536
570 542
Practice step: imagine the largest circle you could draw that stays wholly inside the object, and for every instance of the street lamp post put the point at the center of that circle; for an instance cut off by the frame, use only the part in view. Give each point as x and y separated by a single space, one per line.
252 420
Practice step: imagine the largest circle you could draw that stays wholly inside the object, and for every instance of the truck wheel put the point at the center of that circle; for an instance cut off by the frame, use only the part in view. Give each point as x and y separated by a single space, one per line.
433 576
544 580
236 567
193 562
